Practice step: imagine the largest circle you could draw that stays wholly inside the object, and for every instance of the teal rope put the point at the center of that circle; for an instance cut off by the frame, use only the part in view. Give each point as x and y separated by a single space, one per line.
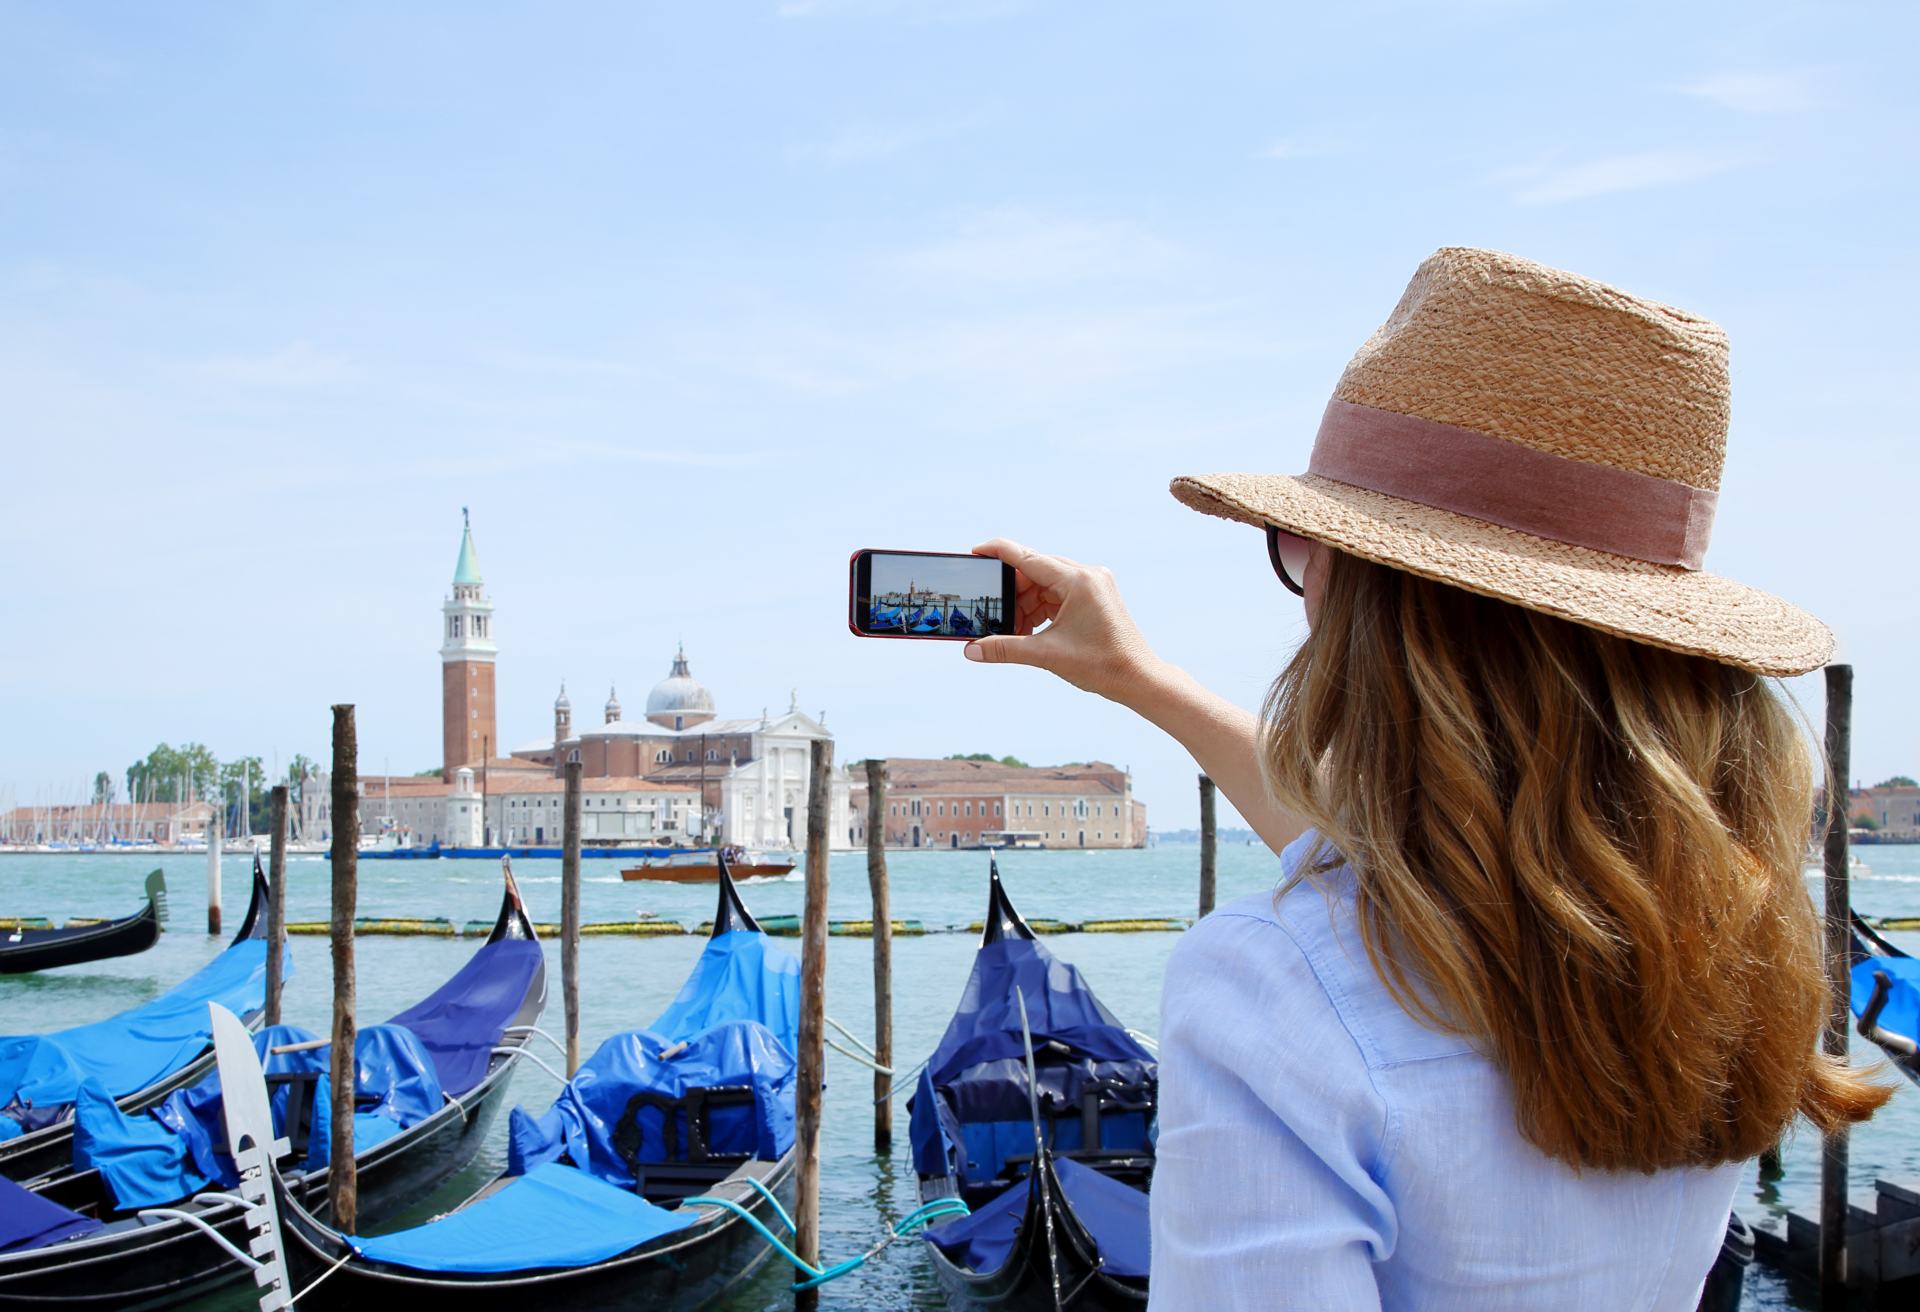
921 1216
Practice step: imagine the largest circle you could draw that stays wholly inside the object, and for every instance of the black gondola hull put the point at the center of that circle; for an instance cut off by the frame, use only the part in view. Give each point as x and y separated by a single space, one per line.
1021 1283
162 1265
29 950
49 1150
688 1269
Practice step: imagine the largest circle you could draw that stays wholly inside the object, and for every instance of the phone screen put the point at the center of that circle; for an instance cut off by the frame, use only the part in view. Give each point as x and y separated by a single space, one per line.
929 594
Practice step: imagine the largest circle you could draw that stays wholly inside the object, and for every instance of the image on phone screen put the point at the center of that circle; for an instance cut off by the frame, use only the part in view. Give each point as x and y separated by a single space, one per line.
927 594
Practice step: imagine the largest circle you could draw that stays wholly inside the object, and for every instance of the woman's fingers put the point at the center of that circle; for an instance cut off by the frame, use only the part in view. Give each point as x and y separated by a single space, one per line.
1047 571
1006 650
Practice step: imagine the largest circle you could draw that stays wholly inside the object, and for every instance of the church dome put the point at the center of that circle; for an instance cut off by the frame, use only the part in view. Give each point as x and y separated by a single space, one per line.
679 699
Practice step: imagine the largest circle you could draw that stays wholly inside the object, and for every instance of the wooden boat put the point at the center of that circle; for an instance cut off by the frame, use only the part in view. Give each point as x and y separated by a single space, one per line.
25 950
1886 997
474 1025
44 1143
703 865
1063 1224
579 1231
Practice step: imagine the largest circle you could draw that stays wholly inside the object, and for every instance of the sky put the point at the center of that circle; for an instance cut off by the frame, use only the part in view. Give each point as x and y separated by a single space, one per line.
687 302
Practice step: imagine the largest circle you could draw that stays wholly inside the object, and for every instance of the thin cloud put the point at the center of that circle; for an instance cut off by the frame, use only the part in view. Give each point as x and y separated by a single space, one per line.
1786 91
1559 183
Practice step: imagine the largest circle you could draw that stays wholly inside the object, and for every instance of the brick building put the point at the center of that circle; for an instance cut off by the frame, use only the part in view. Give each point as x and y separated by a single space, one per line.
956 804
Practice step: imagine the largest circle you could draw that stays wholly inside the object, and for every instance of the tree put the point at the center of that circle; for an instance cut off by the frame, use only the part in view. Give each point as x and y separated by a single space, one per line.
989 758
1864 821
237 779
102 788
170 774
1898 781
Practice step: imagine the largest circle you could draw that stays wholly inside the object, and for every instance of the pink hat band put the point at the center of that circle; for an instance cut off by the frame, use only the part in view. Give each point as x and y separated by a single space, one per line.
1658 520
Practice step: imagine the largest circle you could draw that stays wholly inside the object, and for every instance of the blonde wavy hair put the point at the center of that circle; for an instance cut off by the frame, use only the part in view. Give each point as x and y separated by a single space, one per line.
1581 852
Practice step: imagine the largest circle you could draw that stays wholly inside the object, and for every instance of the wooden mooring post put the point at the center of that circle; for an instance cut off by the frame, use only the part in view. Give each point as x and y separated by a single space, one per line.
342 1191
277 904
882 953
214 828
813 1012
1209 845
1839 941
570 915
1847 1251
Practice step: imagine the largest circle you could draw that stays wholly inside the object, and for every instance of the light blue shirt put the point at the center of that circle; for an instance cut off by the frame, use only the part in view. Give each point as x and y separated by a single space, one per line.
1321 1149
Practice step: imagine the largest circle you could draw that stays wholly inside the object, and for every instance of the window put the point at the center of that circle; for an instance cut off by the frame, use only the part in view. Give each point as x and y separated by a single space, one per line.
942 807
969 808
996 808
1046 808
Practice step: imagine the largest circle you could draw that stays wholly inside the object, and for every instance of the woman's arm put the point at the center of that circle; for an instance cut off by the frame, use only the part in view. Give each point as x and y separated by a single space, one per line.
1085 635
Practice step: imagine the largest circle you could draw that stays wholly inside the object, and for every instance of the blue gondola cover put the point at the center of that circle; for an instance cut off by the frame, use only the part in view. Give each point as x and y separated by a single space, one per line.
554 1216
1901 1015
1113 1213
462 1022
29 1221
584 1122
742 975
40 1074
178 1148
972 1108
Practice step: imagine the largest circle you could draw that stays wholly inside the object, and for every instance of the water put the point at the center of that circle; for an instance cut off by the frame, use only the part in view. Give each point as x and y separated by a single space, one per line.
626 982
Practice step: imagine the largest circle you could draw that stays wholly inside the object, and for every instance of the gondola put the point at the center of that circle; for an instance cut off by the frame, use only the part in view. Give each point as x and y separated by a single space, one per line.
960 624
1055 1159
25 950
429 1084
1886 997
599 1205
884 619
139 1056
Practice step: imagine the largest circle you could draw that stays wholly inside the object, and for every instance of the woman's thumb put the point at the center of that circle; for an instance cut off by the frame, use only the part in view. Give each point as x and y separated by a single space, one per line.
1003 649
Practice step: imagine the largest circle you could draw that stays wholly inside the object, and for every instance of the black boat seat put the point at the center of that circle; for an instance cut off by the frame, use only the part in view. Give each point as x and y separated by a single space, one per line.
692 1164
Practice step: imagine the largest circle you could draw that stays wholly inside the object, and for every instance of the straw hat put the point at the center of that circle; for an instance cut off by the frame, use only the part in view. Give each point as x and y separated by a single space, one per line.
1542 438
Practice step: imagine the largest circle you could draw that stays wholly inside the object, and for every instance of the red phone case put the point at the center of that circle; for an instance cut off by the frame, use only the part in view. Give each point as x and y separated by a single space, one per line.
853 597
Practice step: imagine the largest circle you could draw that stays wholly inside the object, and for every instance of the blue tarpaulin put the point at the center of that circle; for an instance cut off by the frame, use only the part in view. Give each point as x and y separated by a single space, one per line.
586 1121
29 1221
462 1022
175 1149
40 1074
554 1216
742 975
1901 1015
1113 1213
972 1108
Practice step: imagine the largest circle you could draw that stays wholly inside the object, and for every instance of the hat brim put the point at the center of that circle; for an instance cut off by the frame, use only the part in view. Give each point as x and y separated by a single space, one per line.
1667 606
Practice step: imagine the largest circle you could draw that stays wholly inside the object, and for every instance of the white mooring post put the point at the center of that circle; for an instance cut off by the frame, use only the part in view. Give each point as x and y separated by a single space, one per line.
213 871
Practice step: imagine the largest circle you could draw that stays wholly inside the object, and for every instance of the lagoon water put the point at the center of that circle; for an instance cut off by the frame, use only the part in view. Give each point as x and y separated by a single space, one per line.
626 982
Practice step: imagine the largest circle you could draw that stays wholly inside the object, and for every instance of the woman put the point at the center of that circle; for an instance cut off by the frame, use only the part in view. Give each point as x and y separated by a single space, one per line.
1541 972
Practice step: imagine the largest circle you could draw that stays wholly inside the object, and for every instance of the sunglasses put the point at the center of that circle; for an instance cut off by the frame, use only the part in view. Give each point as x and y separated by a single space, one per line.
1288 552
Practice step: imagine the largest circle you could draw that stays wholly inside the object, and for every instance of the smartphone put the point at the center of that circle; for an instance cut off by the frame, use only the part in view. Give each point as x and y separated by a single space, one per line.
928 594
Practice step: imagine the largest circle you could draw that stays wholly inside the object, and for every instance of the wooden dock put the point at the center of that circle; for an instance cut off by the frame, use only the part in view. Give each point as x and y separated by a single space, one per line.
1882 1266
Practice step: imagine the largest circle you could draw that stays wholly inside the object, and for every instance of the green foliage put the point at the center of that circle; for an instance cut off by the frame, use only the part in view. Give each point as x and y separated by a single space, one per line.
170 774
1898 781
433 772
1864 821
102 788
990 758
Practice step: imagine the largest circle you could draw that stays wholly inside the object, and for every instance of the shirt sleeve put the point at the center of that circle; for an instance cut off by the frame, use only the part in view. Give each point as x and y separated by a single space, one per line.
1265 1190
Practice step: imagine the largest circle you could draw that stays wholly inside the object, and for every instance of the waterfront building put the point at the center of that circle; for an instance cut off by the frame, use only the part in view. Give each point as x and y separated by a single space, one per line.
679 774
1893 808
160 823
954 804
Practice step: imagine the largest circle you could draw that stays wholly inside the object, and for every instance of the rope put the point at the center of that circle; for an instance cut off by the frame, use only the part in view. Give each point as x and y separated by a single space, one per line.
345 1258
558 1046
850 1053
903 1081
175 1214
522 1052
919 1217
851 1037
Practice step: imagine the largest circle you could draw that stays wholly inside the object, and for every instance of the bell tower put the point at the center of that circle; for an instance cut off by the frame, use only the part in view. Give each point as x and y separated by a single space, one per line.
466 665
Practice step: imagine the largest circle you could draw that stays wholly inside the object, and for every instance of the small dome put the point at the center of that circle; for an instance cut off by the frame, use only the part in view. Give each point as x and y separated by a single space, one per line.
679 695
613 706
561 703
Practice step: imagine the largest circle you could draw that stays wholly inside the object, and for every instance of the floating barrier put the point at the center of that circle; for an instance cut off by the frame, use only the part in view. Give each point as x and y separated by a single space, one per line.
386 926
633 928
25 922
864 928
1038 926
1169 926
1897 923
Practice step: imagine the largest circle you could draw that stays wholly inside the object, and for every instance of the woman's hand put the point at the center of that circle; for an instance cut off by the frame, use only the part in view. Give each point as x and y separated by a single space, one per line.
1089 639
